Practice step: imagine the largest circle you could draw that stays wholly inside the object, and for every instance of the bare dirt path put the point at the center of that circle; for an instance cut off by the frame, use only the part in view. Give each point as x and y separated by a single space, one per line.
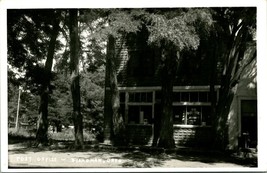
22 156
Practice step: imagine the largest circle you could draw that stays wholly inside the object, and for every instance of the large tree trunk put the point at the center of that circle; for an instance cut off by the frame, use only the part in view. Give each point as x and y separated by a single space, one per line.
75 79
213 58
236 50
117 125
107 110
169 67
42 123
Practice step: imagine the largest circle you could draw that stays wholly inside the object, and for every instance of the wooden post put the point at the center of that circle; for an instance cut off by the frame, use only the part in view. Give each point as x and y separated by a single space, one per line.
126 106
17 118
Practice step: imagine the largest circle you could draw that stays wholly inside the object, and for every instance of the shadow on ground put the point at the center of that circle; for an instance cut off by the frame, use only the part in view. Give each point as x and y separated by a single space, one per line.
149 159
139 157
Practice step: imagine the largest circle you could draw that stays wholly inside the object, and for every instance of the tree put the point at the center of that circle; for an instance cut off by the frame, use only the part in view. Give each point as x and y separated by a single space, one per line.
92 100
75 78
60 107
236 29
120 23
172 31
31 38
42 123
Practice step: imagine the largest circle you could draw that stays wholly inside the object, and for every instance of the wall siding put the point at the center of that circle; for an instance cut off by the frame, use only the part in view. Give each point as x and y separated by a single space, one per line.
193 136
183 136
139 134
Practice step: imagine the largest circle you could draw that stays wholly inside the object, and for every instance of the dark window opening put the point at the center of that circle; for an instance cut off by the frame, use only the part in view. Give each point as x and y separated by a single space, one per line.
179 114
140 115
122 97
145 97
184 97
193 96
206 115
249 121
203 97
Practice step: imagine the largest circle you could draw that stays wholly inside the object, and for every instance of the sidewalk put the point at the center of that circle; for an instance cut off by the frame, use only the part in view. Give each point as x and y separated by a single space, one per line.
102 156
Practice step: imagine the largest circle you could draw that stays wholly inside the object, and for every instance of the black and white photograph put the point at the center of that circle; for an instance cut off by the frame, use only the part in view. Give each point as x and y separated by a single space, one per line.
142 88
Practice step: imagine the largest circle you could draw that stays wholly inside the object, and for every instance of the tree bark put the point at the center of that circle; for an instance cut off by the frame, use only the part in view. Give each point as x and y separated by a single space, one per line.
169 67
75 79
118 136
236 51
42 123
213 57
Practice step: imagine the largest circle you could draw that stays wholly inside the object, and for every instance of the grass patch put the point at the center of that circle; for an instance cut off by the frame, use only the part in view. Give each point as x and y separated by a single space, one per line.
68 135
65 136
20 133
16 136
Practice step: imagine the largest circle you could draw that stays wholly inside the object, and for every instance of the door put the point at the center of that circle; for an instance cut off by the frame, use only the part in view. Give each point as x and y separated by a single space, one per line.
249 122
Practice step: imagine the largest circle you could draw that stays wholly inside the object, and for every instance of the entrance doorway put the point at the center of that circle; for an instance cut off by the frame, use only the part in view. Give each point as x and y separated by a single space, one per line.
249 126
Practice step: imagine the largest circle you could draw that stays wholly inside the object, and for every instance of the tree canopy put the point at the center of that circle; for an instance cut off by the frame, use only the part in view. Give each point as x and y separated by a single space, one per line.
44 45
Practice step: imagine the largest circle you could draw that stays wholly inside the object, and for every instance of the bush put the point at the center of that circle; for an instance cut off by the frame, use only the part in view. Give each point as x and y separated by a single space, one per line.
20 134
68 135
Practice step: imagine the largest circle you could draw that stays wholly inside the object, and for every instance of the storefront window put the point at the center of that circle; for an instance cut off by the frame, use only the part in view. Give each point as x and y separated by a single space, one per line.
206 115
194 97
184 97
140 115
193 115
140 97
192 108
189 108
203 97
140 107
179 114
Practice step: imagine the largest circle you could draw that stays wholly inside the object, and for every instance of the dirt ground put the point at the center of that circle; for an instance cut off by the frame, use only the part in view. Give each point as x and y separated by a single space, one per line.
59 157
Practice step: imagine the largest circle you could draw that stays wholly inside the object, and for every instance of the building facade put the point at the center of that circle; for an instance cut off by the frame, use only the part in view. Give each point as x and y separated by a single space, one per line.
243 117
140 97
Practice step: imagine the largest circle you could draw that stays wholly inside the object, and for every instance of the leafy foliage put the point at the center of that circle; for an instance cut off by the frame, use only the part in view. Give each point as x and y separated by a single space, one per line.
117 22
185 29
178 27
60 102
92 92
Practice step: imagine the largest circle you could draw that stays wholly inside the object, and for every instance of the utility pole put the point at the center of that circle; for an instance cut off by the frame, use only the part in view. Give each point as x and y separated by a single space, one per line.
17 118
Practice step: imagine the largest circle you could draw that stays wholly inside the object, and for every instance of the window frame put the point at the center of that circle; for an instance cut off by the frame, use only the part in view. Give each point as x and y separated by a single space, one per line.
191 103
155 100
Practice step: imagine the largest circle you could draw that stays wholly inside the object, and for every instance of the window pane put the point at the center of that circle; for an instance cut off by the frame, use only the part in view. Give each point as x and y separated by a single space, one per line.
176 97
122 97
147 111
133 115
140 114
137 97
248 107
193 96
179 114
184 97
203 96
143 97
158 96
131 97
206 115
193 115
140 97
149 97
